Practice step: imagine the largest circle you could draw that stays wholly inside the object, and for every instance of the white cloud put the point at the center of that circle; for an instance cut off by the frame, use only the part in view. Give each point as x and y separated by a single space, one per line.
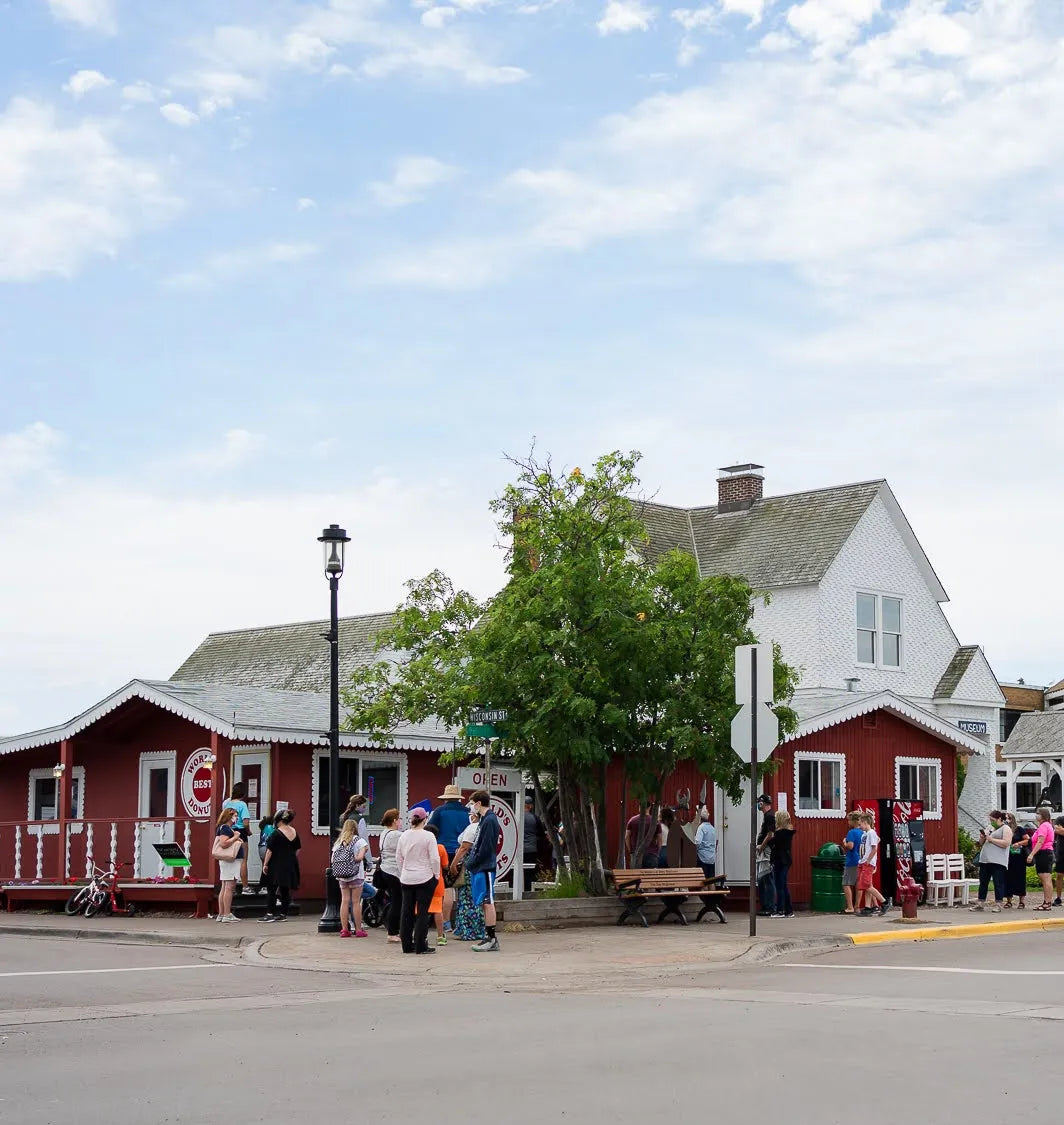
347 39
237 447
250 260
67 193
832 23
141 92
305 204
752 9
211 558
178 114
622 16
27 451
83 82
98 15
438 17
413 177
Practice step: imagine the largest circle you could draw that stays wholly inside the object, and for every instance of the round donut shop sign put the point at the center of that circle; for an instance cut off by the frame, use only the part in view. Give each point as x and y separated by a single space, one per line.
196 780
507 848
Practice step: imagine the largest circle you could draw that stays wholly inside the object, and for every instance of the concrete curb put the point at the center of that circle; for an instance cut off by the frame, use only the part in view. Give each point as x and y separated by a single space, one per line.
930 933
127 937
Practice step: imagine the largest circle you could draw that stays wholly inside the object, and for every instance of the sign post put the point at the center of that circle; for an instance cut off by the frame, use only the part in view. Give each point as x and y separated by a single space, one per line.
754 731
483 724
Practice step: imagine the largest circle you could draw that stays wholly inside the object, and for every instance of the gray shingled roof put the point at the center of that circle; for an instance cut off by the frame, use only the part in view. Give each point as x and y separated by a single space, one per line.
954 673
284 657
779 541
1037 734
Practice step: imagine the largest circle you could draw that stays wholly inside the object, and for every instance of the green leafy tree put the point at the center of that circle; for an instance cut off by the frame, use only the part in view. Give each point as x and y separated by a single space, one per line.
593 650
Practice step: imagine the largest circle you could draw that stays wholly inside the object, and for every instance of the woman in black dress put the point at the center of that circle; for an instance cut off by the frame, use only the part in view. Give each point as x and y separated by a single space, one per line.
1016 876
281 866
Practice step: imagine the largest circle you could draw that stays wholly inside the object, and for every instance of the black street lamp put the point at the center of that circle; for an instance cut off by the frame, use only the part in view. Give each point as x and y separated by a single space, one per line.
333 539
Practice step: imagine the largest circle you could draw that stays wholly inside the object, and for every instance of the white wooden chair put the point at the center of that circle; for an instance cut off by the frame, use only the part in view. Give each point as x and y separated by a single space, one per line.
939 887
958 878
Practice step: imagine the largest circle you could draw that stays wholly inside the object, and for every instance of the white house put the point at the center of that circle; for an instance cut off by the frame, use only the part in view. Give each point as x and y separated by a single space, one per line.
853 601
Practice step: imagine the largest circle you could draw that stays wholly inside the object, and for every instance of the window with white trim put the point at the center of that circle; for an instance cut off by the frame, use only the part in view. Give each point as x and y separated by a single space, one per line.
378 777
44 794
819 784
920 779
879 630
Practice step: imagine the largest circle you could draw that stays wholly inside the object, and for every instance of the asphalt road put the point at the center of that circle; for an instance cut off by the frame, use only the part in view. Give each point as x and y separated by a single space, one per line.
944 1031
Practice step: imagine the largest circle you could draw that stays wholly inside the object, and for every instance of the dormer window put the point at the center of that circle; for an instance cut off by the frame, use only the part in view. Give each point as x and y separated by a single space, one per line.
879 630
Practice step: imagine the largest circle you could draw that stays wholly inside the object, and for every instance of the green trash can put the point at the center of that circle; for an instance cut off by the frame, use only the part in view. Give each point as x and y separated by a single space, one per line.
828 896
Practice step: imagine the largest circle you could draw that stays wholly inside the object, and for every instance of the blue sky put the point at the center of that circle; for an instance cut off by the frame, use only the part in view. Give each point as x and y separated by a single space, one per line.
264 266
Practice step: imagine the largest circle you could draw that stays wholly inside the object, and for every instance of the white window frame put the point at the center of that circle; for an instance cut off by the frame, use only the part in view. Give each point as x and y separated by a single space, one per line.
879 595
937 763
815 814
385 757
47 828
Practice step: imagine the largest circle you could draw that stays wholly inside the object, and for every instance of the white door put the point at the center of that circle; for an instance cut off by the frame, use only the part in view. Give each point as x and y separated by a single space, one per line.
733 835
252 767
158 773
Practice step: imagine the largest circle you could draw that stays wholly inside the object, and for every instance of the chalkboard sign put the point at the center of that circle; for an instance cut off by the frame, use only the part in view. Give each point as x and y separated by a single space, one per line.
172 855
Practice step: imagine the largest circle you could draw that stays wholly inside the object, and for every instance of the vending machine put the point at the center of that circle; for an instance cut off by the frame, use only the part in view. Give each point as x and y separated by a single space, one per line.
902 849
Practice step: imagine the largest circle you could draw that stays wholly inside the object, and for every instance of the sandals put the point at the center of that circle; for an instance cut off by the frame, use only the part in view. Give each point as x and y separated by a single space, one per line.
1045 906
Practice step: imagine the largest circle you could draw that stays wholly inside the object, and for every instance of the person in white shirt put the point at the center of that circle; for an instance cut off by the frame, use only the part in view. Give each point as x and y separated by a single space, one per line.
418 860
866 869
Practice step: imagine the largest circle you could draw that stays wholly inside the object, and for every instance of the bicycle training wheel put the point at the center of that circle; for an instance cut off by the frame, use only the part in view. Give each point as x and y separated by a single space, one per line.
372 914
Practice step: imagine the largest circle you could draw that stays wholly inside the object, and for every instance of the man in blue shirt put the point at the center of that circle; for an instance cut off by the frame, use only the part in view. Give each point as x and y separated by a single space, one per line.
851 847
706 845
451 819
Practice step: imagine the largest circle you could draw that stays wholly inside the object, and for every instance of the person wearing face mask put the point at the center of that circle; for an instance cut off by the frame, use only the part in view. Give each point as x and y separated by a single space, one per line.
994 860
481 866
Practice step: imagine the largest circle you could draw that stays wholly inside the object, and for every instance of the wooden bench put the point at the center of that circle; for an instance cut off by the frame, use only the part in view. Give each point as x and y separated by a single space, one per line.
672 885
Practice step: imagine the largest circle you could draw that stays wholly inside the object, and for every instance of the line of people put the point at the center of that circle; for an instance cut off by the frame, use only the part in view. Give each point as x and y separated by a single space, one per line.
1008 848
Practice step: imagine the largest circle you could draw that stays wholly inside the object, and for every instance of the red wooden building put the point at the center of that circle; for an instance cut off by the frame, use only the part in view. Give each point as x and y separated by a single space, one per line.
153 762
864 748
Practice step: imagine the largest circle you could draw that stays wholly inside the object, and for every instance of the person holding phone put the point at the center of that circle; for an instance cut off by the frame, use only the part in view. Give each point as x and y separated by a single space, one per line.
994 860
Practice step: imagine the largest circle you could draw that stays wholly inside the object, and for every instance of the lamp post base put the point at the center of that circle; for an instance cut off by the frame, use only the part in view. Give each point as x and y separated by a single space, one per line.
329 923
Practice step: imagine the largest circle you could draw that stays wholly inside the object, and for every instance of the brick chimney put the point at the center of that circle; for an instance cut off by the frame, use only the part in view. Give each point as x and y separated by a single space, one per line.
739 486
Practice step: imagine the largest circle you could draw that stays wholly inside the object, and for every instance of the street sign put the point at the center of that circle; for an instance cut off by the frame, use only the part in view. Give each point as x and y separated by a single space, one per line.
768 731
488 715
480 730
479 777
743 673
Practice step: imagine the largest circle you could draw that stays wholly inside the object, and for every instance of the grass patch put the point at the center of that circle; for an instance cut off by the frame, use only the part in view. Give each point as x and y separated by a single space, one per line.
571 885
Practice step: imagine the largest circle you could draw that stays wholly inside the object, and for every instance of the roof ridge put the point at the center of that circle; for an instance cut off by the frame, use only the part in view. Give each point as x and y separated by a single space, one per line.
295 624
799 492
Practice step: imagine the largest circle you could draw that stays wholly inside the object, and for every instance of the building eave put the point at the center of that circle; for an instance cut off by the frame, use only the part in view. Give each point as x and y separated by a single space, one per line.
888 701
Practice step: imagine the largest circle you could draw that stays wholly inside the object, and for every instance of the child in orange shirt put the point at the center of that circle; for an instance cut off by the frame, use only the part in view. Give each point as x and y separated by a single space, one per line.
436 906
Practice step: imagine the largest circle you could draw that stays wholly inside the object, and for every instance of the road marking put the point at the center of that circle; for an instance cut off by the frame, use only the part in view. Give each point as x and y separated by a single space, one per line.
133 969
933 969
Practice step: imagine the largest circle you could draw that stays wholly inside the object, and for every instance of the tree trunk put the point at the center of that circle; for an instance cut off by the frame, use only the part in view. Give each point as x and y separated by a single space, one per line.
548 825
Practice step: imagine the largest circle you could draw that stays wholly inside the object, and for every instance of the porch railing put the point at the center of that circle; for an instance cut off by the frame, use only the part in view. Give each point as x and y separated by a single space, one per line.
34 851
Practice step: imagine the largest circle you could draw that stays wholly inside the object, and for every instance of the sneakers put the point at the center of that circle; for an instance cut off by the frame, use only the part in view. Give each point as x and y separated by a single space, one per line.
442 940
427 949
488 945
228 918
978 906
345 933
884 909
995 910
274 918
775 915
1056 901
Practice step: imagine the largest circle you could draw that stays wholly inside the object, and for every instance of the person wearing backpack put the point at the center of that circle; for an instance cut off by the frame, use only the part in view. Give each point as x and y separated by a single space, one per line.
348 855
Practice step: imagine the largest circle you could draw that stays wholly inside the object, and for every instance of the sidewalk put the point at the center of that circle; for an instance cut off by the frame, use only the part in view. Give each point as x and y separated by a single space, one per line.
576 959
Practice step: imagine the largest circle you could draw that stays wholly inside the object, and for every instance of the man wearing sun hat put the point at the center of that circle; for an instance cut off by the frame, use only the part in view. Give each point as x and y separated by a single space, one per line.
451 819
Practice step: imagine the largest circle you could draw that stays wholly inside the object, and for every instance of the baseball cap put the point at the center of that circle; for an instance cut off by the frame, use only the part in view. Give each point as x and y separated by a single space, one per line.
764 799
418 814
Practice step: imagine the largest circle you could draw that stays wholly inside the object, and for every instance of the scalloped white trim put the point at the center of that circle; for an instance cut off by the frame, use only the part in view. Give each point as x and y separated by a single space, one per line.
888 701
